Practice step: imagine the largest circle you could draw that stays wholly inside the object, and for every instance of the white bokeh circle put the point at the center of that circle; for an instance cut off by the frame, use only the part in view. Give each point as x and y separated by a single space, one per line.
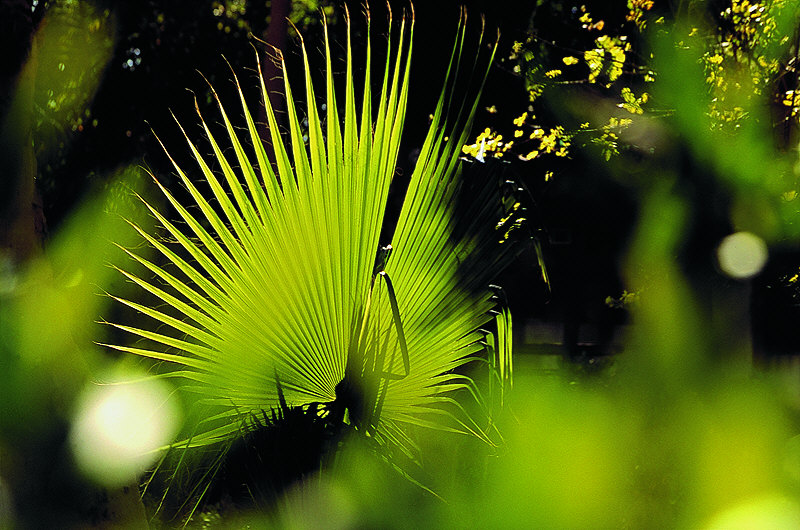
118 429
742 255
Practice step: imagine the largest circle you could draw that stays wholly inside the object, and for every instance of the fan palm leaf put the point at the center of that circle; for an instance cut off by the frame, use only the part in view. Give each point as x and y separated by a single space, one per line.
272 292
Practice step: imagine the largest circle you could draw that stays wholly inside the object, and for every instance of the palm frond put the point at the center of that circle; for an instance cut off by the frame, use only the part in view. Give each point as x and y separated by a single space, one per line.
272 290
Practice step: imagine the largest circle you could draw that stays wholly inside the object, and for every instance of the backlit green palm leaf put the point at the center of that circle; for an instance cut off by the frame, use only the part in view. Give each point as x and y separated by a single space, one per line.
272 287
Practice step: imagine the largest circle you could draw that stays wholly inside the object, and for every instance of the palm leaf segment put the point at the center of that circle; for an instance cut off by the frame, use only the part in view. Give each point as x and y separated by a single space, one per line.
273 291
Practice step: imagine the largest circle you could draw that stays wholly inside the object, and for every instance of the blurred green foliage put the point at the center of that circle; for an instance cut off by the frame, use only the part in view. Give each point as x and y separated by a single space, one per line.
49 313
76 42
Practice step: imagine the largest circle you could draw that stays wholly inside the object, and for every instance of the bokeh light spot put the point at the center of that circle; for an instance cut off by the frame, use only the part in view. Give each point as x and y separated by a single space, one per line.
118 428
742 255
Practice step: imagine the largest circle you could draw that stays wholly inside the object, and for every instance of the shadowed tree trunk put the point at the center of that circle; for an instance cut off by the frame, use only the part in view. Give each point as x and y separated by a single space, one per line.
275 36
